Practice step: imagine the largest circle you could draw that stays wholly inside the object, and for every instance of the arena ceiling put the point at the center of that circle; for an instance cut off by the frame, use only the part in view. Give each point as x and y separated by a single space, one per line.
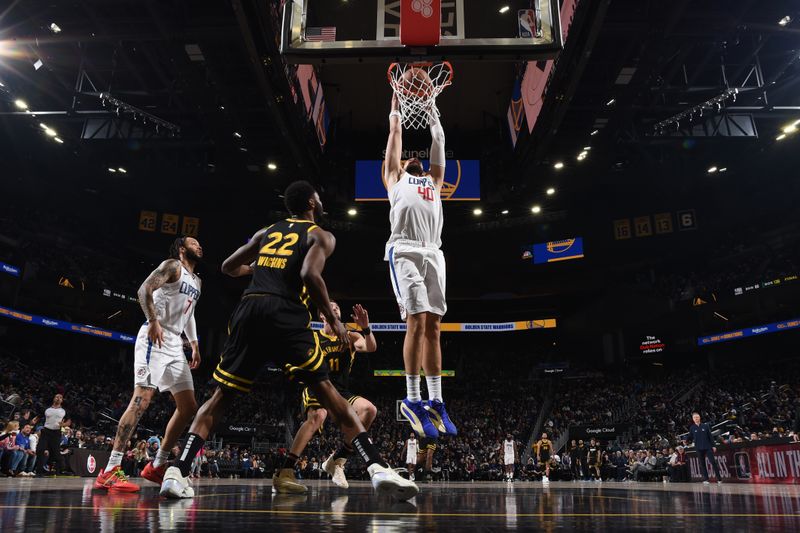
212 70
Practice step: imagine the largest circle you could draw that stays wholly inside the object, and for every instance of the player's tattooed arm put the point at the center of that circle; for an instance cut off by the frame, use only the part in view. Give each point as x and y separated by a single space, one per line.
167 272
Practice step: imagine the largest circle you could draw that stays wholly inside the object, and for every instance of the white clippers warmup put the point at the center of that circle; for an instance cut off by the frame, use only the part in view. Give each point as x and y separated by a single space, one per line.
412 449
166 368
508 452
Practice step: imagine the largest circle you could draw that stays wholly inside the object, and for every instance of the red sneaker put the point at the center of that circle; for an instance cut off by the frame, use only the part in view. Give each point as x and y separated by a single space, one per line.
115 480
156 475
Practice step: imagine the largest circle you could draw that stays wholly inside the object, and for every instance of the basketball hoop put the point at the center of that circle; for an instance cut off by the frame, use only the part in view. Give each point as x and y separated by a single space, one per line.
416 86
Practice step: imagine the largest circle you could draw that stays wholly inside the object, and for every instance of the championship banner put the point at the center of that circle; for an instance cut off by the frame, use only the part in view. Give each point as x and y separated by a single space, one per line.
462 180
10 269
66 326
775 327
457 327
752 463
599 432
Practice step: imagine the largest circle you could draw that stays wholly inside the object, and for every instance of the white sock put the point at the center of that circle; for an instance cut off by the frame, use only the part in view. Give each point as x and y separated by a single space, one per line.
114 460
412 388
434 387
161 457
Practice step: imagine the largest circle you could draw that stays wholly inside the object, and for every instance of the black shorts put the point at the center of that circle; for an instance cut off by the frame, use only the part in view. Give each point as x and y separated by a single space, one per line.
311 402
544 457
266 328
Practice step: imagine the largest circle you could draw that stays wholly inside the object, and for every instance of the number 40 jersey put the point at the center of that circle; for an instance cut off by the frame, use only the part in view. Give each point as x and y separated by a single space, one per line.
416 211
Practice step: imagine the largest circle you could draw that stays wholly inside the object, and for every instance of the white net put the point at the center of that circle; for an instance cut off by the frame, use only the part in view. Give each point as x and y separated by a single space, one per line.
416 86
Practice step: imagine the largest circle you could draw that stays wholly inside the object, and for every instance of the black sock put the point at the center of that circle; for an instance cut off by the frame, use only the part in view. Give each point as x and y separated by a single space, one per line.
368 452
345 452
194 443
290 461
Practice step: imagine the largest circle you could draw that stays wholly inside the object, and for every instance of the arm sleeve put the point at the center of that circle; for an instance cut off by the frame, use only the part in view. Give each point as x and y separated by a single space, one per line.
437 143
191 329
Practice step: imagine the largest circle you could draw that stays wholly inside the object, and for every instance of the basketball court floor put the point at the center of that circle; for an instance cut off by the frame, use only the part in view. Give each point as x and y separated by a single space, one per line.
72 505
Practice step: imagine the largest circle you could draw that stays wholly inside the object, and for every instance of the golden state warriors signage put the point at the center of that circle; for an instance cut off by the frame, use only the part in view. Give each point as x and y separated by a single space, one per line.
462 180
550 252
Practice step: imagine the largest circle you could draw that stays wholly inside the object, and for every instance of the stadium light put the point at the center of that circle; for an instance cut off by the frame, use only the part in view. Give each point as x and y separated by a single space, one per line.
237 134
352 212
272 166
504 9
504 211
780 137
551 191
587 148
536 209
55 28
50 133
477 211
122 170
785 21
611 102
112 170
583 155
711 170
21 104
595 132
723 169
58 140
791 128
558 166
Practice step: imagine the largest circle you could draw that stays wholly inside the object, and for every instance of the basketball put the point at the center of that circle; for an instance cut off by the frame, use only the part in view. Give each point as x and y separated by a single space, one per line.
417 82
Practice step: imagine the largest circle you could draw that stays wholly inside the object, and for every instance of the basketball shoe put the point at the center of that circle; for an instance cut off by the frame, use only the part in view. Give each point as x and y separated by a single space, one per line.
386 480
419 418
175 485
438 414
284 482
335 468
115 481
156 475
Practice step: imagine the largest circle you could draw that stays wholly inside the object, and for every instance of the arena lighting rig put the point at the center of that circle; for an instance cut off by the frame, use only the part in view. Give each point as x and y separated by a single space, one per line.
122 107
713 104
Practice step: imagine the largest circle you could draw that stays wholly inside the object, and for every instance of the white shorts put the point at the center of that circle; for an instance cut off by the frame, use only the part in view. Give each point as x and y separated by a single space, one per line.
411 459
165 368
508 460
418 276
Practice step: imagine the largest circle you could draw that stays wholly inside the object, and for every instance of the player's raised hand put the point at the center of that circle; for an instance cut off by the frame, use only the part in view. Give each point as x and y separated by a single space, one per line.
360 316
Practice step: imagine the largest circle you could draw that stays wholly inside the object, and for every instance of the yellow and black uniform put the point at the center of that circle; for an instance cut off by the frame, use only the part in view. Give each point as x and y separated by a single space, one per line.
272 321
339 356
544 447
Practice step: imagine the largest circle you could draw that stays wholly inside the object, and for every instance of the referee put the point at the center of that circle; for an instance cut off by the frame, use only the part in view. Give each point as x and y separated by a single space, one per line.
50 441
700 434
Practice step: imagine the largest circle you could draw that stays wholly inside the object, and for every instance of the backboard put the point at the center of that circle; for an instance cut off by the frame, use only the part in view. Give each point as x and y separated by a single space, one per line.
357 31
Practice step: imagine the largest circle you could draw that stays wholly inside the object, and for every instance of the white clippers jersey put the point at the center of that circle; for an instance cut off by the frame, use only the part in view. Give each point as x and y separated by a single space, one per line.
416 210
412 447
175 302
508 447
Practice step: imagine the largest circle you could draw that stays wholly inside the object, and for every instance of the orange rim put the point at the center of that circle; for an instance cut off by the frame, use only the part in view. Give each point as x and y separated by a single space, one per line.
448 81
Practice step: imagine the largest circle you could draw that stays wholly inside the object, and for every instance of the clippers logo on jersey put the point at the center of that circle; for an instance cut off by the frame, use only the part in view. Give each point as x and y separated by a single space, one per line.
425 187
190 291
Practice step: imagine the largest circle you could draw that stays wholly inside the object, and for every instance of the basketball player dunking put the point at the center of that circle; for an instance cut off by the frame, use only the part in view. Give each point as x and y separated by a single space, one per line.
417 271
168 297
272 322
340 356
411 448
510 457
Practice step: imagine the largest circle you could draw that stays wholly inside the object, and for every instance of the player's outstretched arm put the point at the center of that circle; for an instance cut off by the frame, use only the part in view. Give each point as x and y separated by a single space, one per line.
438 157
394 146
363 343
321 246
239 263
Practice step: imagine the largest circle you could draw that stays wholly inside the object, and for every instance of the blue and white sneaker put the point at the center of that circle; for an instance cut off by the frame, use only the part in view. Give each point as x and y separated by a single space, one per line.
416 413
438 415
